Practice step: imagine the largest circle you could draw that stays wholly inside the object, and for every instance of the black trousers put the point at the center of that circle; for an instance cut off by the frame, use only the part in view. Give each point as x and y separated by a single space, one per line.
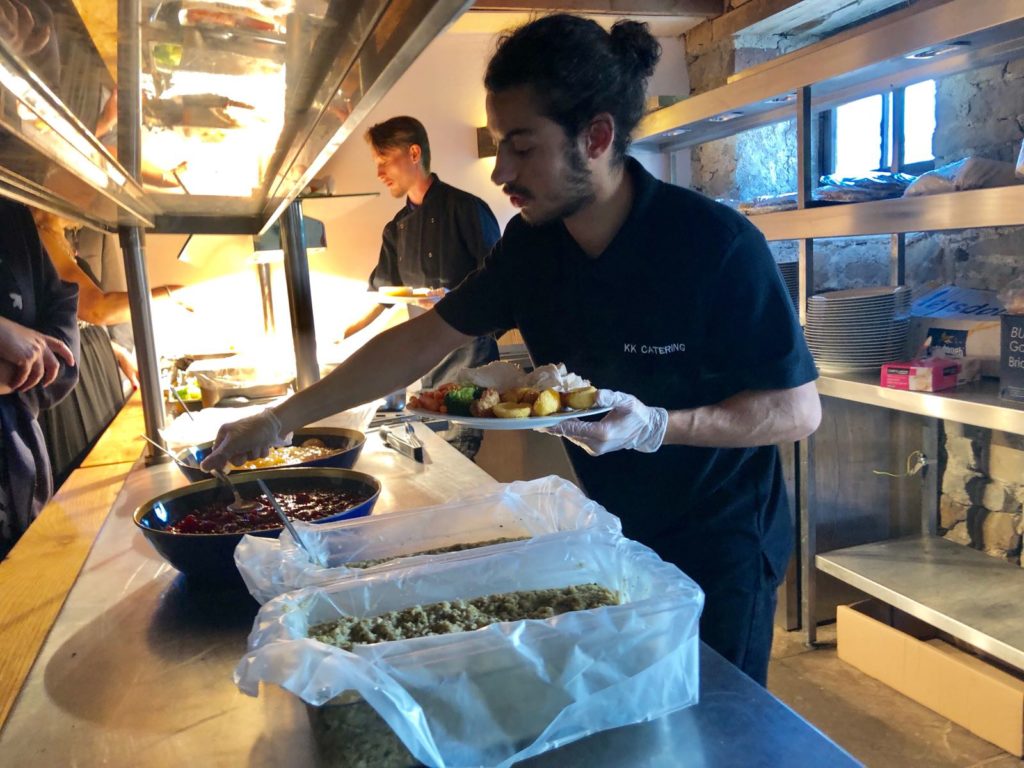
739 625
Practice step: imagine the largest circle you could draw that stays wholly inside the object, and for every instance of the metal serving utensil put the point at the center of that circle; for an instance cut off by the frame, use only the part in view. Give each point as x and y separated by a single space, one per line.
160 448
236 506
287 523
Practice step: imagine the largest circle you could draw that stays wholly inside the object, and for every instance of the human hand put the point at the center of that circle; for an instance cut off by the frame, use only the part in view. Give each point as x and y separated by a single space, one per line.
630 424
433 296
244 440
127 363
35 357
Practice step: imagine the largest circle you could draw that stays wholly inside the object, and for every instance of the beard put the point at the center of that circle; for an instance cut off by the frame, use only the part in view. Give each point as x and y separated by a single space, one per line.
576 191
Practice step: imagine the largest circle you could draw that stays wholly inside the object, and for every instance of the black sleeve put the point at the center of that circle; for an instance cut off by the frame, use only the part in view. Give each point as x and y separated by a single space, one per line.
481 304
57 302
386 271
754 338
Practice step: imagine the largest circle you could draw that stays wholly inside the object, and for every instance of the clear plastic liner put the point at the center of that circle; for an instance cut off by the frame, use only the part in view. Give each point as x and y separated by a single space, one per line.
531 508
511 690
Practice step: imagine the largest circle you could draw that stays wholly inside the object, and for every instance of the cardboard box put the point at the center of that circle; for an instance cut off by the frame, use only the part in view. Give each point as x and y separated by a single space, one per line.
961 322
931 374
1011 359
906 655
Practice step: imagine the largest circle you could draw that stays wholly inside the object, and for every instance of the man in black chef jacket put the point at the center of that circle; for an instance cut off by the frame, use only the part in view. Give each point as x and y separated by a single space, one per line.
669 301
439 236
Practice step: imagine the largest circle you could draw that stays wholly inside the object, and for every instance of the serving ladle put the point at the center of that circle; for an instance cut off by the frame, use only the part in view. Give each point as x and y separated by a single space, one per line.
236 506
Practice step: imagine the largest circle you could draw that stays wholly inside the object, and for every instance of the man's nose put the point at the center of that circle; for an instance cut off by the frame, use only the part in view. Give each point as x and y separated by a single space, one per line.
504 170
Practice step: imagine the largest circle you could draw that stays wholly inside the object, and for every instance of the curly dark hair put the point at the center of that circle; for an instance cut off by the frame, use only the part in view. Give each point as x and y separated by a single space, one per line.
577 70
402 131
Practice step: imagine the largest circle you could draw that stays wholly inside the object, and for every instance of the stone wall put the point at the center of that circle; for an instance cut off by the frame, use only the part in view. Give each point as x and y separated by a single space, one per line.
978 113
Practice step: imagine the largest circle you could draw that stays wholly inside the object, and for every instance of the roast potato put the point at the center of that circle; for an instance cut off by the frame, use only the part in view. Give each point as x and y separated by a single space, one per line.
547 402
511 410
580 399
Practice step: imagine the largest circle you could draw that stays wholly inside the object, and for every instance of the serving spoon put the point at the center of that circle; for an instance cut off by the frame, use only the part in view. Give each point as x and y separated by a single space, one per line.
287 523
236 506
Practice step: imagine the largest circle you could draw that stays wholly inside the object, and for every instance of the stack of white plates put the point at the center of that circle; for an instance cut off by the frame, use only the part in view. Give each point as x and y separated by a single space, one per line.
858 329
791 276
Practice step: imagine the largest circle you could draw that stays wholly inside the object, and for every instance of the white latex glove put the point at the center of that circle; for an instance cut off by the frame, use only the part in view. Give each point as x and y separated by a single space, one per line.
244 440
630 424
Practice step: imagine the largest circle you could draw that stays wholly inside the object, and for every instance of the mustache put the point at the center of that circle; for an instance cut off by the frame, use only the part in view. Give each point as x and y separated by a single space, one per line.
512 189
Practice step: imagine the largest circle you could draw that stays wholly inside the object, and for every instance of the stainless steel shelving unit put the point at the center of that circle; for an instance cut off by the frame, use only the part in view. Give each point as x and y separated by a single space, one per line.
976 404
933 579
959 590
996 207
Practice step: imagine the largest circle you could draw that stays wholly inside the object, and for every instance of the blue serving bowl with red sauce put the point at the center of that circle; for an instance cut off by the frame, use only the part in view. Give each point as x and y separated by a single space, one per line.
347 442
209 557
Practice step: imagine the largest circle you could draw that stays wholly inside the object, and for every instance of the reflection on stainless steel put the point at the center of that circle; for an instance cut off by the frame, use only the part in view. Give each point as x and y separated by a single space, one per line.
137 669
242 102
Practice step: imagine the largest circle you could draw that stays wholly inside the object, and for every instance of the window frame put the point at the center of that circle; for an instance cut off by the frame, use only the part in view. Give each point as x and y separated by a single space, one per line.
892 125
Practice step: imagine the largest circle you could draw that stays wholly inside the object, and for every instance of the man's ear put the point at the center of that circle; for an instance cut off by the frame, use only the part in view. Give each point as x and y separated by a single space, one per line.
415 153
599 135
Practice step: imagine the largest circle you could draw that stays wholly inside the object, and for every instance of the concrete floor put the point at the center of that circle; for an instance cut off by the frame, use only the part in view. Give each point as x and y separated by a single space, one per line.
869 720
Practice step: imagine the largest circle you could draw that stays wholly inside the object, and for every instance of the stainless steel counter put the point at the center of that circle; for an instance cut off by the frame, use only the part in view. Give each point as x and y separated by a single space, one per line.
137 669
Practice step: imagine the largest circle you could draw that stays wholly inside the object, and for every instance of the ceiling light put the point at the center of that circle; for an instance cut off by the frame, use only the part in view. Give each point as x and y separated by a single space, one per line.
725 117
938 50
785 98
676 132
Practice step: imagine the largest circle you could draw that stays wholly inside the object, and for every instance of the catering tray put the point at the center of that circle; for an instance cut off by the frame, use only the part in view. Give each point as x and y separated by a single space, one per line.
510 690
534 508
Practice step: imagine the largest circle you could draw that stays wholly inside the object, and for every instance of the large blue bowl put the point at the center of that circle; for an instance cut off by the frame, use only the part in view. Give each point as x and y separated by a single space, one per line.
209 557
349 441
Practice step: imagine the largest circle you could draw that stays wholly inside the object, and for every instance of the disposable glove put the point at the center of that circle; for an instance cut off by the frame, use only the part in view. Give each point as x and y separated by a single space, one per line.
630 424
244 440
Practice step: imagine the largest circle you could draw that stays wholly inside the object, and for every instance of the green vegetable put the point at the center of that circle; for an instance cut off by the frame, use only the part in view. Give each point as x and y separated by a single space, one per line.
457 401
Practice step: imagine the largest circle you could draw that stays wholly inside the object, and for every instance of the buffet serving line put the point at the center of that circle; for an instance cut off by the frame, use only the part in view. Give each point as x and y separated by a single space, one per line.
136 667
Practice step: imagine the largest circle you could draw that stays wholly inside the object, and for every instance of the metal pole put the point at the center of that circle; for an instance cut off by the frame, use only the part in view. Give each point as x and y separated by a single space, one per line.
898 242
300 298
129 122
804 450
266 296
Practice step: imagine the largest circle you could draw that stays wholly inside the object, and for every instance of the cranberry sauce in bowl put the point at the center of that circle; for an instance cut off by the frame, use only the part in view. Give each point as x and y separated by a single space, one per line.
192 529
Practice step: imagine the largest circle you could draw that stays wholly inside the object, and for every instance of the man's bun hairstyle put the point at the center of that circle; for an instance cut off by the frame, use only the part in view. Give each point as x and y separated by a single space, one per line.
577 70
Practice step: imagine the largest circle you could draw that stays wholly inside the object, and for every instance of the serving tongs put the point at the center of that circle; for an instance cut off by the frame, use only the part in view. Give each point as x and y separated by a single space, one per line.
405 442
236 506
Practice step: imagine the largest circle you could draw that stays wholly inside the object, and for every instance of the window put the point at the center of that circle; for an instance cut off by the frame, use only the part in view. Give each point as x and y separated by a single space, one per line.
856 137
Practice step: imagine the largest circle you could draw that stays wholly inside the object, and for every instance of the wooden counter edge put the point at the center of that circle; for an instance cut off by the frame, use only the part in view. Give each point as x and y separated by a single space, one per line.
40 571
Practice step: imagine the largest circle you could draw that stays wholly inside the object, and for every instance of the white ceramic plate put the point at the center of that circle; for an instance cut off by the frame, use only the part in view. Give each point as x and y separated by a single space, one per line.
492 422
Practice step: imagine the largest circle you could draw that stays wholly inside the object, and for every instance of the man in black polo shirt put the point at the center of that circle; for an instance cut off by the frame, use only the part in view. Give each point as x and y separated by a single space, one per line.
439 236
667 300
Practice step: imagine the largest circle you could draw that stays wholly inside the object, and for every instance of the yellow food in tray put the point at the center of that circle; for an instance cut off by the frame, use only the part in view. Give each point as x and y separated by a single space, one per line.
311 450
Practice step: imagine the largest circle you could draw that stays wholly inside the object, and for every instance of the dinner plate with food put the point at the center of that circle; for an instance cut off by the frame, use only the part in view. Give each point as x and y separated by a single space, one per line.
404 294
501 395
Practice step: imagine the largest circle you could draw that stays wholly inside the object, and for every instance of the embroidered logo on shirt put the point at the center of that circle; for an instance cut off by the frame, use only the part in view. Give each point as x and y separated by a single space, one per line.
16 300
652 349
